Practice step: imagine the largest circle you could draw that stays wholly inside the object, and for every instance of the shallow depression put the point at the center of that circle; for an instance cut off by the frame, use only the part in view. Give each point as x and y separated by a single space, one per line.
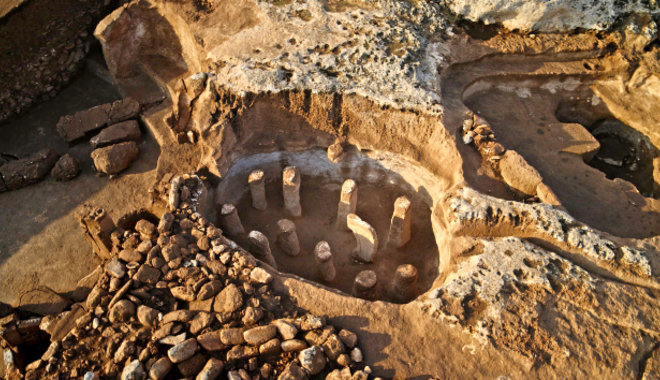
379 181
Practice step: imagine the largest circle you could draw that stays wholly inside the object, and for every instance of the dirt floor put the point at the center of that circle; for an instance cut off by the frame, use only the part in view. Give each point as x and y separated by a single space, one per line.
319 202
42 239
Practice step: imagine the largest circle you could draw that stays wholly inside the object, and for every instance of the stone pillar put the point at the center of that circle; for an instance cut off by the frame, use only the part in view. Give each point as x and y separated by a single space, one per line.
291 190
230 220
365 237
323 257
404 284
347 203
400 223
287 238
257 184
365 285
261 247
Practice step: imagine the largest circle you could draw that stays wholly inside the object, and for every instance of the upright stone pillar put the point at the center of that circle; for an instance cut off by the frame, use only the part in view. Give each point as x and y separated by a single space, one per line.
347 203
257 184
404 284
291 190
287 238
230 220
261 247
400 224
365 237
323 257
365 285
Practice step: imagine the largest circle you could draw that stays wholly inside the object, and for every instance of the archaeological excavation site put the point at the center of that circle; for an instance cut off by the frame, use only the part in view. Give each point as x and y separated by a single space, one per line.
326 189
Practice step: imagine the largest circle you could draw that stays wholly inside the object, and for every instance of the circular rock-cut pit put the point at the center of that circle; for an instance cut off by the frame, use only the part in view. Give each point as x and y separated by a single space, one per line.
380 179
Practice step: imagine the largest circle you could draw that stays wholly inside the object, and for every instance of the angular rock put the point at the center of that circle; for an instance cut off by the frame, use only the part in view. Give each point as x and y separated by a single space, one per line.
312 360
116 133
26 171
133 371
183 293
228 300
115 158
147 274
348 338
292 372
201 321
66 168
130 255
261 276
115 268
209 290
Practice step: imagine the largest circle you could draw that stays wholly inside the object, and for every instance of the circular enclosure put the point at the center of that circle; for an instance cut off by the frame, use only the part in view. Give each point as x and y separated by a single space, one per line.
379 181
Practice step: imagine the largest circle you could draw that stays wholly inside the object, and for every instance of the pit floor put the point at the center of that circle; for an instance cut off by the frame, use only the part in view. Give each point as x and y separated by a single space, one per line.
319 200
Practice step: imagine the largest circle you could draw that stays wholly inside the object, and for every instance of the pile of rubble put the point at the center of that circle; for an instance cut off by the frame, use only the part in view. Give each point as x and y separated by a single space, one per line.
43 44
179 300
114 146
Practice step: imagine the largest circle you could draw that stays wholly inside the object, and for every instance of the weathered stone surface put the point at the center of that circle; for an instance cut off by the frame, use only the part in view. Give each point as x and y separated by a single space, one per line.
66 168
232 336
365 238
42 301
212 370
312 360
192 366
116 133
261 276
293 345
115 158
26 171
518 174
147 274
133 371
242 352
73 127
147 315
286 329
160 369
211 341
228 300
292 372
183 351
544 16
208 290
122 311
271 347
348 338
259 335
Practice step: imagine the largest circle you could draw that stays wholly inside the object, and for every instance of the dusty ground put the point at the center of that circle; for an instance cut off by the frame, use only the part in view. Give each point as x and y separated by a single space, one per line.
41 239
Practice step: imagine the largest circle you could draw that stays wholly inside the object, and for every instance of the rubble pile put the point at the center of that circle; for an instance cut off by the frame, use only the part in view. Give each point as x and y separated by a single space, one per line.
39 61
114 146
179 300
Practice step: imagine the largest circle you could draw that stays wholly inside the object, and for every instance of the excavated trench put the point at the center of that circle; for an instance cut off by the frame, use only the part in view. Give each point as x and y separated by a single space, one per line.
380 177
585 154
